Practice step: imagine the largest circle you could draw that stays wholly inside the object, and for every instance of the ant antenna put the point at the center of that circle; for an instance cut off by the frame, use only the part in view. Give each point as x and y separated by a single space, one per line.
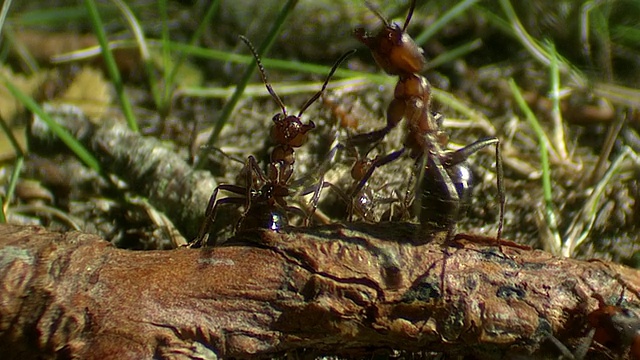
324 86
406 21
501 191
263 73
377 12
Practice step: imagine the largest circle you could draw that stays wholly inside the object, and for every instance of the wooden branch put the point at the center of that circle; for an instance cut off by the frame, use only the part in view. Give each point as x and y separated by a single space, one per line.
347 290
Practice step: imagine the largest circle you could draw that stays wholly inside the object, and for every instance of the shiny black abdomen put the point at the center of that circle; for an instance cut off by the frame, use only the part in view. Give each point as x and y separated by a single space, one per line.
263 216
441 206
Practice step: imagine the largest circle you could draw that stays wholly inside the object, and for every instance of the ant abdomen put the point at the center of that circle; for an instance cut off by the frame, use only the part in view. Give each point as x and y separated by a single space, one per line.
264 216
445 196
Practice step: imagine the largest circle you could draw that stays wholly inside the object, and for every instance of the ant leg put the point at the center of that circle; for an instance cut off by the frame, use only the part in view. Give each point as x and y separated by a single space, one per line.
325 184
316 189
464 153
313 182
376 164
583 348
566 353
410 194
296 210
209 214
372 137
395 113
254 169
212 207
330 159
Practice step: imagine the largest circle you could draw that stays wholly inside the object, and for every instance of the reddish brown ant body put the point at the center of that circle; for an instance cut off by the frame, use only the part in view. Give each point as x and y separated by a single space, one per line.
614 328
264 194
443 182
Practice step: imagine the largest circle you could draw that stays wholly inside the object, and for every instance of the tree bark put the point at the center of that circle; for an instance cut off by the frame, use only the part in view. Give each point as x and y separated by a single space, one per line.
338 290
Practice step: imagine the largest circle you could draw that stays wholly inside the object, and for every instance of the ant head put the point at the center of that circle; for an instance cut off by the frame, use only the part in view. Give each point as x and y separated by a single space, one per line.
394 51
290 130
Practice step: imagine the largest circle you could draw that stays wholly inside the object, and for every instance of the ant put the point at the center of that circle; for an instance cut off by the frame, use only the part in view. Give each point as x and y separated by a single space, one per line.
612 327
263 195
444 180
615 327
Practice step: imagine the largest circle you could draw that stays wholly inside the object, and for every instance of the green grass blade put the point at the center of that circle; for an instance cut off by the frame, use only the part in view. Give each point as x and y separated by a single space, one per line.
12 139
3 218
263 49
163 103
543 143
556 113
495 20
63 134
627 34
206 20
138 35
17 169
50 16
583 222
23 53
535 48
110 62
293 66
13 182
454 53
285 88
443 20
3 13
618 94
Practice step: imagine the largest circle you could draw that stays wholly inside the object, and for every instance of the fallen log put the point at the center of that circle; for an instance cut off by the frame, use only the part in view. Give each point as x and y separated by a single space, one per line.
349 290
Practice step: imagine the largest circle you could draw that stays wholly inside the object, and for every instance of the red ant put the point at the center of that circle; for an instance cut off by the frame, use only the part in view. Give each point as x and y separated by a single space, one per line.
616 328
613 327
264 194
443 182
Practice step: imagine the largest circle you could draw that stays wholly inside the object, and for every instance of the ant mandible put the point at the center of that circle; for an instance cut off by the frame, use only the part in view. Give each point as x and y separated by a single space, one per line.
264 194
443 177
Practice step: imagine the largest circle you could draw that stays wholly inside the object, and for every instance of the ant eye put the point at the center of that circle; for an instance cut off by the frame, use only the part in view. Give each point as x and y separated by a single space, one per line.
277 117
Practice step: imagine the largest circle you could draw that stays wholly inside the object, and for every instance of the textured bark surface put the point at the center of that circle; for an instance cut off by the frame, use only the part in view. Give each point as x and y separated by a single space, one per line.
331 290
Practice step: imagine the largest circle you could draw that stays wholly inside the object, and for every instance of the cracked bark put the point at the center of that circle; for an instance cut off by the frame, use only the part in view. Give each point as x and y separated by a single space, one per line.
346 290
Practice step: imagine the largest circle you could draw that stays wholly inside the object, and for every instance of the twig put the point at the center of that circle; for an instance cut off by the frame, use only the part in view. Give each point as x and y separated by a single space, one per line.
147 165
330 290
